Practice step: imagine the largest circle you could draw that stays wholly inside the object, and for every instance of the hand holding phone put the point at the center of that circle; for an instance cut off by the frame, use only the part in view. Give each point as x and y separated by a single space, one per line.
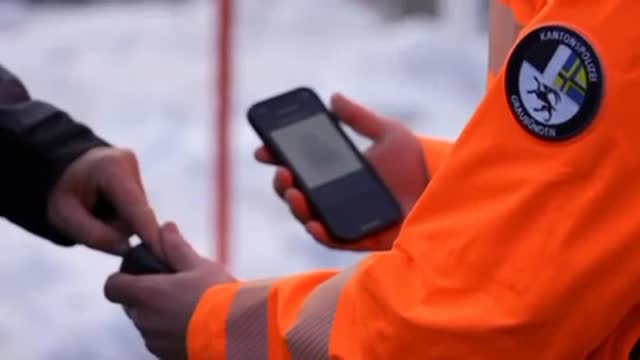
395 154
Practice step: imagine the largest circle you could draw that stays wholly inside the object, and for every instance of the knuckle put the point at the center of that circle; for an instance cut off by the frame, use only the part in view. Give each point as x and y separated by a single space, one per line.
95 238
111 288
299 215
121 158
278 187
99 236
391 123
215 273
127 154
292 197
143 321
55 210
153 346
218 266
128 159
107 289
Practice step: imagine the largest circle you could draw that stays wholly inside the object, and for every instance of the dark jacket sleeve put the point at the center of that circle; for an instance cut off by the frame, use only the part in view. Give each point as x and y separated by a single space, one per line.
37 142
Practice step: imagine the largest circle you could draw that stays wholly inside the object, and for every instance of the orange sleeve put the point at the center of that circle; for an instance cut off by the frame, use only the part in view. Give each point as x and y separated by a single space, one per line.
435 152
528 252
624 342
530 248
249 320
204 335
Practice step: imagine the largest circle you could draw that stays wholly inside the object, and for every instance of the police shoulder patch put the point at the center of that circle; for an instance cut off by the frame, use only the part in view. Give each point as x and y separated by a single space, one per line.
554 83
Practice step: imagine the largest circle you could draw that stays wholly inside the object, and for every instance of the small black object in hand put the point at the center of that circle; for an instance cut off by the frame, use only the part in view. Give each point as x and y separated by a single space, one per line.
140 261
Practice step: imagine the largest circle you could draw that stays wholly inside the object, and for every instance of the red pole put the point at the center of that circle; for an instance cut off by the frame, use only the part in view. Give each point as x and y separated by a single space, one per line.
223 188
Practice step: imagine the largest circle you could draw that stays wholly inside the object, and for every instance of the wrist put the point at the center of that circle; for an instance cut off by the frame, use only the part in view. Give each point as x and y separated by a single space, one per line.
434 152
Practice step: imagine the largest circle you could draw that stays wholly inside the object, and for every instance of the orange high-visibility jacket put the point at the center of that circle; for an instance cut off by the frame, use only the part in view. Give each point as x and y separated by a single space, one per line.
526 243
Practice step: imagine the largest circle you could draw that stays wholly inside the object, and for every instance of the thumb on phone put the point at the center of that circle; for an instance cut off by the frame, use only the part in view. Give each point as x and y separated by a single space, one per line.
359 118
180 255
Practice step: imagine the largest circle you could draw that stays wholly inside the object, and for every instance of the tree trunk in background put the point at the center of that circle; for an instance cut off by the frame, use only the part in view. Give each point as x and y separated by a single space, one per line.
465 15
411 7
401 8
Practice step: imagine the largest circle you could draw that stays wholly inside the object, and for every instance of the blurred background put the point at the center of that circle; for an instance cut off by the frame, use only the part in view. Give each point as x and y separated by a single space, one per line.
143 75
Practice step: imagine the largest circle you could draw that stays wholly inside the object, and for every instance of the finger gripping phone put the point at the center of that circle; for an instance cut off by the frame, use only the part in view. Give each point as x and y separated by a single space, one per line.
344 191
139 260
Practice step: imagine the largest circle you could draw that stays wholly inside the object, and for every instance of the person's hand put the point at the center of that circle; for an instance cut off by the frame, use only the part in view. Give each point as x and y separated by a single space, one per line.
162 305
112 175
396 155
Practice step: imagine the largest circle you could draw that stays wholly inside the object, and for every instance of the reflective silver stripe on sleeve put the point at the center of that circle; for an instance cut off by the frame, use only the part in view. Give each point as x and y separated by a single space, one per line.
308 339
247 323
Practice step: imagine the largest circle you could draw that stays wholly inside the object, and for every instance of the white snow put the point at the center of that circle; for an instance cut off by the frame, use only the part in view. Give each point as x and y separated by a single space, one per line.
141 76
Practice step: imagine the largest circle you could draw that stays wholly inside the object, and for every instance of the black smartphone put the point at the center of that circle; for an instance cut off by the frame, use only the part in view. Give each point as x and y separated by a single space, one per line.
344 191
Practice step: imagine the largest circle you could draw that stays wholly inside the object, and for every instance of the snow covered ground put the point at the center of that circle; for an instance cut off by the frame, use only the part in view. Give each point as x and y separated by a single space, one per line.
141 76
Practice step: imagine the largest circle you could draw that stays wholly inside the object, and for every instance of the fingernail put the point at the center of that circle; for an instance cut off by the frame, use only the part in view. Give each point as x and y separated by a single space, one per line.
170 228
131 313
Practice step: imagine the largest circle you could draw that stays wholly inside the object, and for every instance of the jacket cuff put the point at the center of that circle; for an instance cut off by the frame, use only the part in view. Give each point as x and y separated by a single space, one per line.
49 142
206 334
38 142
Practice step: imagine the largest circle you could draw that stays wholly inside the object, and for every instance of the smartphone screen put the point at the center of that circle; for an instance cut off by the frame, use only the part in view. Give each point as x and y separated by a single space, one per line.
316 149
342 188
